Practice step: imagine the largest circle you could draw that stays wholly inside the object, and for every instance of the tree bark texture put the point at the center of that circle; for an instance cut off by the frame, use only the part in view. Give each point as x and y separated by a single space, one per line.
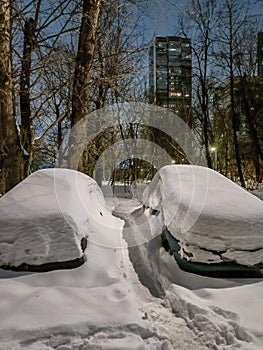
25 107
10 154
81 83
86 47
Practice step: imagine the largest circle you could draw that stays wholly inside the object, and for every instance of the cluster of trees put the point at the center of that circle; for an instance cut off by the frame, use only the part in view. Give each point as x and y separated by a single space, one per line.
61 60
227 103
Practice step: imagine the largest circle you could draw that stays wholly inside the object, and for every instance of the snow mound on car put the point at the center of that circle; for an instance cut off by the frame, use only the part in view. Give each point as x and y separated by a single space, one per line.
214 219
47 217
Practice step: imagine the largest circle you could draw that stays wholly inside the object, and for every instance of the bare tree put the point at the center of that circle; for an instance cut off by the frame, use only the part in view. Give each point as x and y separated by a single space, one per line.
200 22
119 54
248 87
234 16
10 151
114 74
26 131
52 116
41 28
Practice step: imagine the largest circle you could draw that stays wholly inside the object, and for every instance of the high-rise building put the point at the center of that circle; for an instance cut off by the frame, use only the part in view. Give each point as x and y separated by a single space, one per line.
170 76
260 54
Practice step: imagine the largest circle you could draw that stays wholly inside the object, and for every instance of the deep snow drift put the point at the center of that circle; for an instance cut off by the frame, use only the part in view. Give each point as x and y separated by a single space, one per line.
99 305
214 219
105 304
45 217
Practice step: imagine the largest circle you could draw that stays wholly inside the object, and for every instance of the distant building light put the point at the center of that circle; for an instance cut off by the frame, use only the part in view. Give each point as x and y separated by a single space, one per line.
177 94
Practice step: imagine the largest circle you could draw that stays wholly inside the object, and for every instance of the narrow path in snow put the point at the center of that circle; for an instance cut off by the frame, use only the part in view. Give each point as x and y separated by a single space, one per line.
149 290
132 228
188 324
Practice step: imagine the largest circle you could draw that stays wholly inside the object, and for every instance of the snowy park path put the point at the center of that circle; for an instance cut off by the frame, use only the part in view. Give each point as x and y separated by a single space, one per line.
153 307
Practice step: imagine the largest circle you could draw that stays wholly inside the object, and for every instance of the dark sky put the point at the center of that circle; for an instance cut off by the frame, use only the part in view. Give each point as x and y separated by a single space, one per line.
162 16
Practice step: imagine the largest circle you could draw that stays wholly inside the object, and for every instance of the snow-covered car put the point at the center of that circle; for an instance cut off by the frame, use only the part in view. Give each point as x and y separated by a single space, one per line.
47 220
213 226
258 193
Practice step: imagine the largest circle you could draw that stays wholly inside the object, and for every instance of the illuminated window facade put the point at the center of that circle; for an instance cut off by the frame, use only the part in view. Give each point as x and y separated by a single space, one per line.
171 74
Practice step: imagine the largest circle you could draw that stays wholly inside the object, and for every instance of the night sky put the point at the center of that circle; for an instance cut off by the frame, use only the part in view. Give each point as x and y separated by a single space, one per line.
162 16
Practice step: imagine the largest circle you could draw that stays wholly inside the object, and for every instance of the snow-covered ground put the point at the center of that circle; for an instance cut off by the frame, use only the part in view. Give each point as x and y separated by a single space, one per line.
124 296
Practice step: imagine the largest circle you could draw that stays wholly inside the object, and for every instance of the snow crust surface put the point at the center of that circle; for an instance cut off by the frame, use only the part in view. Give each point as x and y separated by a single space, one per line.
122 297
213 218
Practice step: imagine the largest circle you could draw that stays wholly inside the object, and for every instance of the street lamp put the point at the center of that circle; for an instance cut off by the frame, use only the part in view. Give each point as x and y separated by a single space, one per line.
214 150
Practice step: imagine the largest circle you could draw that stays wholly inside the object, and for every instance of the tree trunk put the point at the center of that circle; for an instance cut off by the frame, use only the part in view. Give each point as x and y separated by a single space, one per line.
26 133
232 102
10 152
86 47
81 84
205 103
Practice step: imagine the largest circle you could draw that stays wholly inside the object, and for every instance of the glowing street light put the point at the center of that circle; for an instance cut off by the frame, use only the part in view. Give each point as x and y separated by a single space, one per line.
214 150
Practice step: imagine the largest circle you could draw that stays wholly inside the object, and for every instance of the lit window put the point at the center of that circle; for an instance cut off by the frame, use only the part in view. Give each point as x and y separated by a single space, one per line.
161 44
174 48
176 94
